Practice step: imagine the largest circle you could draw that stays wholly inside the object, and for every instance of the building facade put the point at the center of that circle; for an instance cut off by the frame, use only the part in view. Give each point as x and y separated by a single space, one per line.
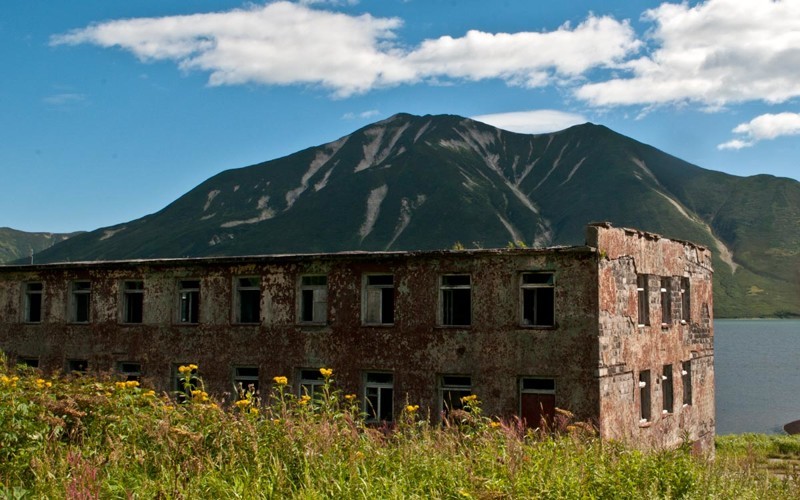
618 331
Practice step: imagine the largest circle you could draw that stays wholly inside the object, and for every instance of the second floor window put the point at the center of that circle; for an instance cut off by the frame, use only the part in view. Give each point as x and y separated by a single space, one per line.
33 302
314 299
538 299
643 297
248 300
189 301
80 301
133 301
455 298
379 300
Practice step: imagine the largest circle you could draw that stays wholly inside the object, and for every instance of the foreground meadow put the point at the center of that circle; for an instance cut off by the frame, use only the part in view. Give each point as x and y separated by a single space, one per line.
87 437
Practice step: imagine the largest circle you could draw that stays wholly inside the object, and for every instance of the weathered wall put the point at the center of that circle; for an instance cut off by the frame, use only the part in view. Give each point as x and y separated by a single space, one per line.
495 350
627 348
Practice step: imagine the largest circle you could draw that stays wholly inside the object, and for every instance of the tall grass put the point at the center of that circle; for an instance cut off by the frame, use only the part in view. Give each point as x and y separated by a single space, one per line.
89 437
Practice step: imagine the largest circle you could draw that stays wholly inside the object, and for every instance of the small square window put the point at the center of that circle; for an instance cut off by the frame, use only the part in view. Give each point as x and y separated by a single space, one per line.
537 295
455 299
451 389
189 302
33 302
314 299
133 302
248 300
130 370
379 299
80 301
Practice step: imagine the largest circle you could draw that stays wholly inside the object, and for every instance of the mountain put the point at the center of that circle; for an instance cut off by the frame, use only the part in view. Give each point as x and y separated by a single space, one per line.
425 182
16 245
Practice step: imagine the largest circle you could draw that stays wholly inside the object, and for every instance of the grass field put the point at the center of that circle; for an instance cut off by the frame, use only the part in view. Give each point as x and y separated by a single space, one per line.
93 437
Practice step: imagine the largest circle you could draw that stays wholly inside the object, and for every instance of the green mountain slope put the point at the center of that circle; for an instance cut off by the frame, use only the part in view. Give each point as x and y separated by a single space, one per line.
16 245
425 182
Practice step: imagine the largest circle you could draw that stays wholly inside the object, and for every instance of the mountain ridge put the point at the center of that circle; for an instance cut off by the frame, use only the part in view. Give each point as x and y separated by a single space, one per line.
425 182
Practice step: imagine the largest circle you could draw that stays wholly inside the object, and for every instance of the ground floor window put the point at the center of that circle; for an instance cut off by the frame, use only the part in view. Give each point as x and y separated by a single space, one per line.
130 371
537 399
379 397
451 389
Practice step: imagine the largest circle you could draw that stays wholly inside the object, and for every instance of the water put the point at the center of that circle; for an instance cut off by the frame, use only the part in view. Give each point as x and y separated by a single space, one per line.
757 365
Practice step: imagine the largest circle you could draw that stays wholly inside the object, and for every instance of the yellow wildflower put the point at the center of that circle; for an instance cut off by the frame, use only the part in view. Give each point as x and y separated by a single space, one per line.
242 403
304 399
359 455
469 399
412 408
326 372
276 421
281 380
151 393
350 397
132 383
253 411
119 385
494 425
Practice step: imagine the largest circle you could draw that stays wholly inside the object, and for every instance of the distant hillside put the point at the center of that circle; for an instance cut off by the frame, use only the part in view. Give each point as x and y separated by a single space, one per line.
15 245
412 182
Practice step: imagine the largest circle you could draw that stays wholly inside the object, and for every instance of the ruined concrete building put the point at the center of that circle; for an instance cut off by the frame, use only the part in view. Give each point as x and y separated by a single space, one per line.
619 331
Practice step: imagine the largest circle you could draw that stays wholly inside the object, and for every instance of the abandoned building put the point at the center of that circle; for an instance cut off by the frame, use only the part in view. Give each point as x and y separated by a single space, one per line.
618 331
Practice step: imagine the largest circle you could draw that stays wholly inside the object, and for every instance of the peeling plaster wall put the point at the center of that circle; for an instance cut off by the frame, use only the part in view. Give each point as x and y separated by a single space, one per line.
494 350
626 348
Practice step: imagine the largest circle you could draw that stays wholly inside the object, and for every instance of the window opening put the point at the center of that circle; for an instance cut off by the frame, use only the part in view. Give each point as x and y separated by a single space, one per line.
189 301
642 299
248 298
314 299
78 366
130 370
379 397
379 294
537 401
686 301
686 379
644 396
29 362
456 297
33 302
667 389
133 301
311 382
666 301
245 379
81 301
451 389
538 299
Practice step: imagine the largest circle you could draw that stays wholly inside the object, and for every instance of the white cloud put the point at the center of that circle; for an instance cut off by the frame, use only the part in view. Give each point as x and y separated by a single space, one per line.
364 114
764 127
715 52
532 122
284 43
64 99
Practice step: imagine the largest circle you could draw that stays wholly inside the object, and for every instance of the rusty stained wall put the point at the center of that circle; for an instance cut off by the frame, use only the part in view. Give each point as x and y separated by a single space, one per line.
626 348
495 350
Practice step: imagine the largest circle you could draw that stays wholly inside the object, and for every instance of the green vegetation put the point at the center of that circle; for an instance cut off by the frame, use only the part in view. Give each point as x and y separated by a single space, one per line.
85 437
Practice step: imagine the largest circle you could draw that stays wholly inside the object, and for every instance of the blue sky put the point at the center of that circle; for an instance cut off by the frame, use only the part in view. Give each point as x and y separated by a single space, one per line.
111 110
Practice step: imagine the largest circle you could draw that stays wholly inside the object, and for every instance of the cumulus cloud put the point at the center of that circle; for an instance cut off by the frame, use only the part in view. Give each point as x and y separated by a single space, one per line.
532 122
364 114
764 127
715 52
285 43
63 99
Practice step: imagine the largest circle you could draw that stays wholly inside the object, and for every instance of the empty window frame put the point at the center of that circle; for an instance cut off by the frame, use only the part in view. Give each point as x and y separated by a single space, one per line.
248 300
189 302
667 396
451 389
132 301
379 397
311 382
314 299
537 296
29 362
642 295
644 396
686 379
77 366
33 302
245 379
379 299
455 298
130 370
80 301
537 401
686 301
666 301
